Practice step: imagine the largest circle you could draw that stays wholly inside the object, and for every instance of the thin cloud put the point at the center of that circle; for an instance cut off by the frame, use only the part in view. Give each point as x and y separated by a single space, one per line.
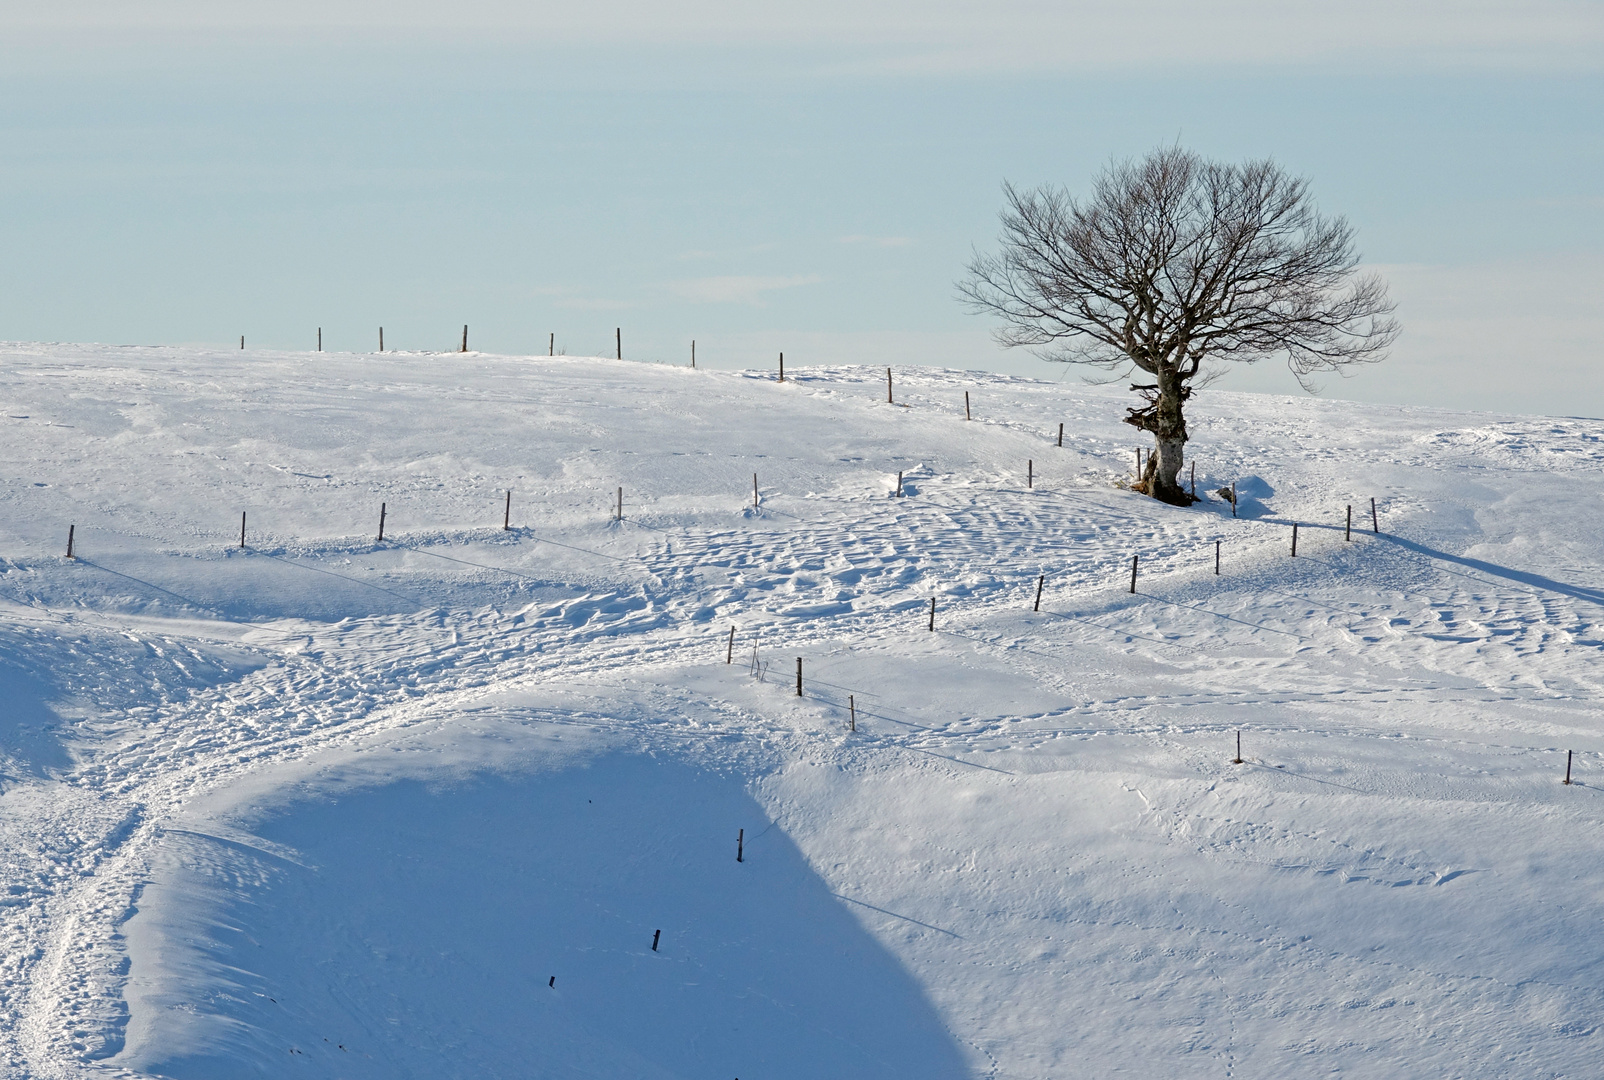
736 289
877 241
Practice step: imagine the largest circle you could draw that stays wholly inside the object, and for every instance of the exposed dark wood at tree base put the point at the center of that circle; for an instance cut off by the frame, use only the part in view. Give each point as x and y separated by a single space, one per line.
1172 265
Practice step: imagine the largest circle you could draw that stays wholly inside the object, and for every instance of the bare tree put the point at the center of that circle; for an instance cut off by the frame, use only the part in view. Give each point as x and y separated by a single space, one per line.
1174 262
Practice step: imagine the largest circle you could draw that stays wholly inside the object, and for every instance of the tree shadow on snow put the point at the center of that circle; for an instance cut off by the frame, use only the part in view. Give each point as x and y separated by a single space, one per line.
410 931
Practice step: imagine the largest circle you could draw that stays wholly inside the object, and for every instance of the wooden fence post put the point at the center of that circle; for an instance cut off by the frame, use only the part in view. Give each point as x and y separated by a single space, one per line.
242 528
799 676
464 338
320 339
729 653
506 517
1030 473
1133 572
932 613
1060 436
966 406
1568 754
1238 759
1039 583
618 340
70 530
1375 522
381 522
1347 530
381 339
852 713
888 387
754 491
740 845
1216 558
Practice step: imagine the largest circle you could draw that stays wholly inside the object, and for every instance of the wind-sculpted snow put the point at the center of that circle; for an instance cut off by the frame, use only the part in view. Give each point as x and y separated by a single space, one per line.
327 805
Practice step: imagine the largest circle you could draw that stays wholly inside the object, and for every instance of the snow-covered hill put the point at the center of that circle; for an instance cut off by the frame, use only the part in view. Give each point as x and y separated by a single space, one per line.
328 806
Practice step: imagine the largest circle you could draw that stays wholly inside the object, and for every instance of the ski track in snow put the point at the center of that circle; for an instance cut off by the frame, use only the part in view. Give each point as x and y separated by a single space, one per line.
1451 660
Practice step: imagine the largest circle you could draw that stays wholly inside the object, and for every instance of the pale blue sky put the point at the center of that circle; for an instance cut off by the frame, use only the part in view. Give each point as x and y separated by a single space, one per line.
809 180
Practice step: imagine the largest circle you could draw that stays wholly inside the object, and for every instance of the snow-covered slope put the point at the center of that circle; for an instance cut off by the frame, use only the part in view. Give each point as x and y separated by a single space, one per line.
336 807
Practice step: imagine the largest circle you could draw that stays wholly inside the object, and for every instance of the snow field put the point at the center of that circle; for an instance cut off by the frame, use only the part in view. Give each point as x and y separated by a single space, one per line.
342 778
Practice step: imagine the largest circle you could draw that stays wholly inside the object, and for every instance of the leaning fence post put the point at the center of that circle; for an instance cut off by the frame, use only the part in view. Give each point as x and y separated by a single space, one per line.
1375 522
1039 583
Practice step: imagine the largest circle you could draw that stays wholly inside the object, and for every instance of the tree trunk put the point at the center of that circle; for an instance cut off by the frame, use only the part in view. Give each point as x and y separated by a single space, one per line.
1164 418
